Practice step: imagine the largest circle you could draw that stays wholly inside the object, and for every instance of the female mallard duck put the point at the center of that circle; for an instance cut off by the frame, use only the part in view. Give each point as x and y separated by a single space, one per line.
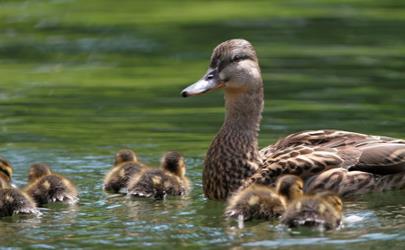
125 166
12 200
47 187
323 211
263 202
233 159
157 183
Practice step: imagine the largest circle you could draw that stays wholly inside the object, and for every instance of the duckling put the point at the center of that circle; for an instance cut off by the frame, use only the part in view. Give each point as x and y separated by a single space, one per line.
126 165
322 211
6 171
125 155
47 187
157 183
263 202
12 200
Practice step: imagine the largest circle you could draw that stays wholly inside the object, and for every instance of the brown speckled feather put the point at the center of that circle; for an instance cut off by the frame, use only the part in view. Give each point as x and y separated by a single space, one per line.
352 183
312 152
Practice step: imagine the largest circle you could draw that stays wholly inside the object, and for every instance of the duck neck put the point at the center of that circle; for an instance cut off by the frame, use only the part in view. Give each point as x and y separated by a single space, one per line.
233 155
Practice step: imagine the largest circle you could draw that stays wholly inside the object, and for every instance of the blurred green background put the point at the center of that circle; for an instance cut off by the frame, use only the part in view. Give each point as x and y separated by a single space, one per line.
81 79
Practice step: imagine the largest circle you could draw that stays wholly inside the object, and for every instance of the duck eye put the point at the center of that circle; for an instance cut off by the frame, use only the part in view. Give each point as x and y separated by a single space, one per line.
236 58
210 77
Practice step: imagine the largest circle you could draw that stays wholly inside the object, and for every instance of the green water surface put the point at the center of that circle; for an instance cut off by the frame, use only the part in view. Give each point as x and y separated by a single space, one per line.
81 79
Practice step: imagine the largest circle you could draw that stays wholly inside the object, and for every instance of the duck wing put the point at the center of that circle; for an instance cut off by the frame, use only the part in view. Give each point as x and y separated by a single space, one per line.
342 182
309 153
302 160
328 138
380 157
352 183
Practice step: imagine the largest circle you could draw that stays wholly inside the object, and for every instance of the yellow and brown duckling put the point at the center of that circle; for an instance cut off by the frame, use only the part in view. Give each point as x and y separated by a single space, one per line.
157 183
263 202
322 211
6 171
12 200
126 165
47 187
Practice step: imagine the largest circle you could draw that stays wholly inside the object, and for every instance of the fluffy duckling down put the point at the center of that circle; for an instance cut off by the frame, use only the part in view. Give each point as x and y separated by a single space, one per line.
322 211
12 200
157 183
47 187
6 171
263 202
126 165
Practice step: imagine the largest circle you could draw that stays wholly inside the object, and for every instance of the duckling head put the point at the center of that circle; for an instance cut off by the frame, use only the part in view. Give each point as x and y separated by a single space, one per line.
6 170
37 170
234 66
290 186
125 155
174 163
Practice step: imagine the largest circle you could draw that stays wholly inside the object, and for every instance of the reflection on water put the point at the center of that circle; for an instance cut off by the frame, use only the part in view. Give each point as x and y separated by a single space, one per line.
82 80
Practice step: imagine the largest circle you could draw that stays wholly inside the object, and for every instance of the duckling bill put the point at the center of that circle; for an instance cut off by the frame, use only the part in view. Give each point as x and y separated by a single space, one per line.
47 187
157 183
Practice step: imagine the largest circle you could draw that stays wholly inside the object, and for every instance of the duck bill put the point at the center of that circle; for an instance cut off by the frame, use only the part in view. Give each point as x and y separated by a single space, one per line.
208 82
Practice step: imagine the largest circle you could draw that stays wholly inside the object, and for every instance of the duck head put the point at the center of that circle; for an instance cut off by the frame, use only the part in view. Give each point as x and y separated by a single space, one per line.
6 170
290 186
234 66
125 155
37 170
233 155
174 163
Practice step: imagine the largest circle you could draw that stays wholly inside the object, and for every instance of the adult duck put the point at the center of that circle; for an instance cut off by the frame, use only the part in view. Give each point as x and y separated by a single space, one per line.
233 159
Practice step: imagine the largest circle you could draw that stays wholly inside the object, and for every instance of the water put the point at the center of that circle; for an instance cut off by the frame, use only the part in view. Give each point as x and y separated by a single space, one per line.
82 79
